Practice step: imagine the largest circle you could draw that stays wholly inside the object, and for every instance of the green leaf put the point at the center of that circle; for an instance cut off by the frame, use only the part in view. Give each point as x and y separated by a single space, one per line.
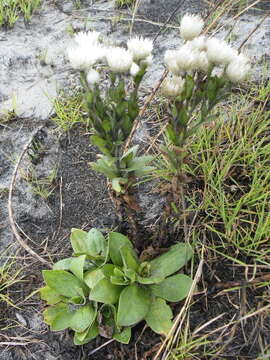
159 317
131 275
174 288
105 166
62 320
100 143
63 282
139 162
50 295
97 243
92 277
124 336
105 292
90 243
108 270
83 318
77 266
149 280
117 280
87 335
51 312
130 154
171 135
129 257
116 183
62 264
116 241
171 261
189 86
134 303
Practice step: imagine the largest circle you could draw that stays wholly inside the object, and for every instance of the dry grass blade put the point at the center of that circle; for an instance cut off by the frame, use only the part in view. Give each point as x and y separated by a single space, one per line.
10 209
143 110
254 30
173 334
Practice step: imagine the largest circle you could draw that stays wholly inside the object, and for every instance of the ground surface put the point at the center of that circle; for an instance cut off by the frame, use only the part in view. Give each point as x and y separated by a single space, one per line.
33 68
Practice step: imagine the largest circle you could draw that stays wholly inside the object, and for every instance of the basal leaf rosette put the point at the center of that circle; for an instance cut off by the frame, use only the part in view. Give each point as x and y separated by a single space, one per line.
150 283
104 288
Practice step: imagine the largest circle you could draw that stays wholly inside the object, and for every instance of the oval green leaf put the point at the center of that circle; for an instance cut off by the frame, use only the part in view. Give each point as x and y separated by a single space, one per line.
116 241
105 292
134 303
124 336
171 261
87 335
50 295
83 318
62 264
174 288
63 282
92 277
159 317
77 265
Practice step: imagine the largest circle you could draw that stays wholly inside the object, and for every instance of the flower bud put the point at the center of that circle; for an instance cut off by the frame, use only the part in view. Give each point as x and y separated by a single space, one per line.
93 77
191 26
119 60
219 52
238 69
173 87
134 69
140 48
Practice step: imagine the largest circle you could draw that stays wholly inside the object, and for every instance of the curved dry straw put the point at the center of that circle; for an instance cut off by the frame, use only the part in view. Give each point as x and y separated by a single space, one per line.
10 209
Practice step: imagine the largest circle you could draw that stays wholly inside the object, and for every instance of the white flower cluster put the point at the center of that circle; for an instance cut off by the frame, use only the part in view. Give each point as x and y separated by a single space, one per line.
200 53
88 52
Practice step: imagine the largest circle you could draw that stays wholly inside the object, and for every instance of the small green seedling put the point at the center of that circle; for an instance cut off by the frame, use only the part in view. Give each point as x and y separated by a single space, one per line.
105 289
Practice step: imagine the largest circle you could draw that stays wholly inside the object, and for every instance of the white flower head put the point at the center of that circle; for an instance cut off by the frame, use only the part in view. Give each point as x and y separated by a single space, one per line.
83 57
219 52
202 62
134 69
140 47
93 77
191 26
173 87
170 60
119 60
86 38
77 58
186 58
199 43
238 69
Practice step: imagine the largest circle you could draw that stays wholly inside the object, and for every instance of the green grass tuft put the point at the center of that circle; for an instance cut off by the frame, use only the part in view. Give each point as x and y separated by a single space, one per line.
11 10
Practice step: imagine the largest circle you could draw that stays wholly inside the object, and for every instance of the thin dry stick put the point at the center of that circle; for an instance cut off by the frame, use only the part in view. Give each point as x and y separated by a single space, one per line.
8 343
153 141
169 19
254 30
167 340
101 346
149 99
61 209
235 17
10 209
134 12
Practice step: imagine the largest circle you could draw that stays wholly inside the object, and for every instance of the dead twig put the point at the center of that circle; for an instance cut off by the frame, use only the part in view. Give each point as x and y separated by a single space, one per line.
254 30
148 101
101 346
10 209
61 209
